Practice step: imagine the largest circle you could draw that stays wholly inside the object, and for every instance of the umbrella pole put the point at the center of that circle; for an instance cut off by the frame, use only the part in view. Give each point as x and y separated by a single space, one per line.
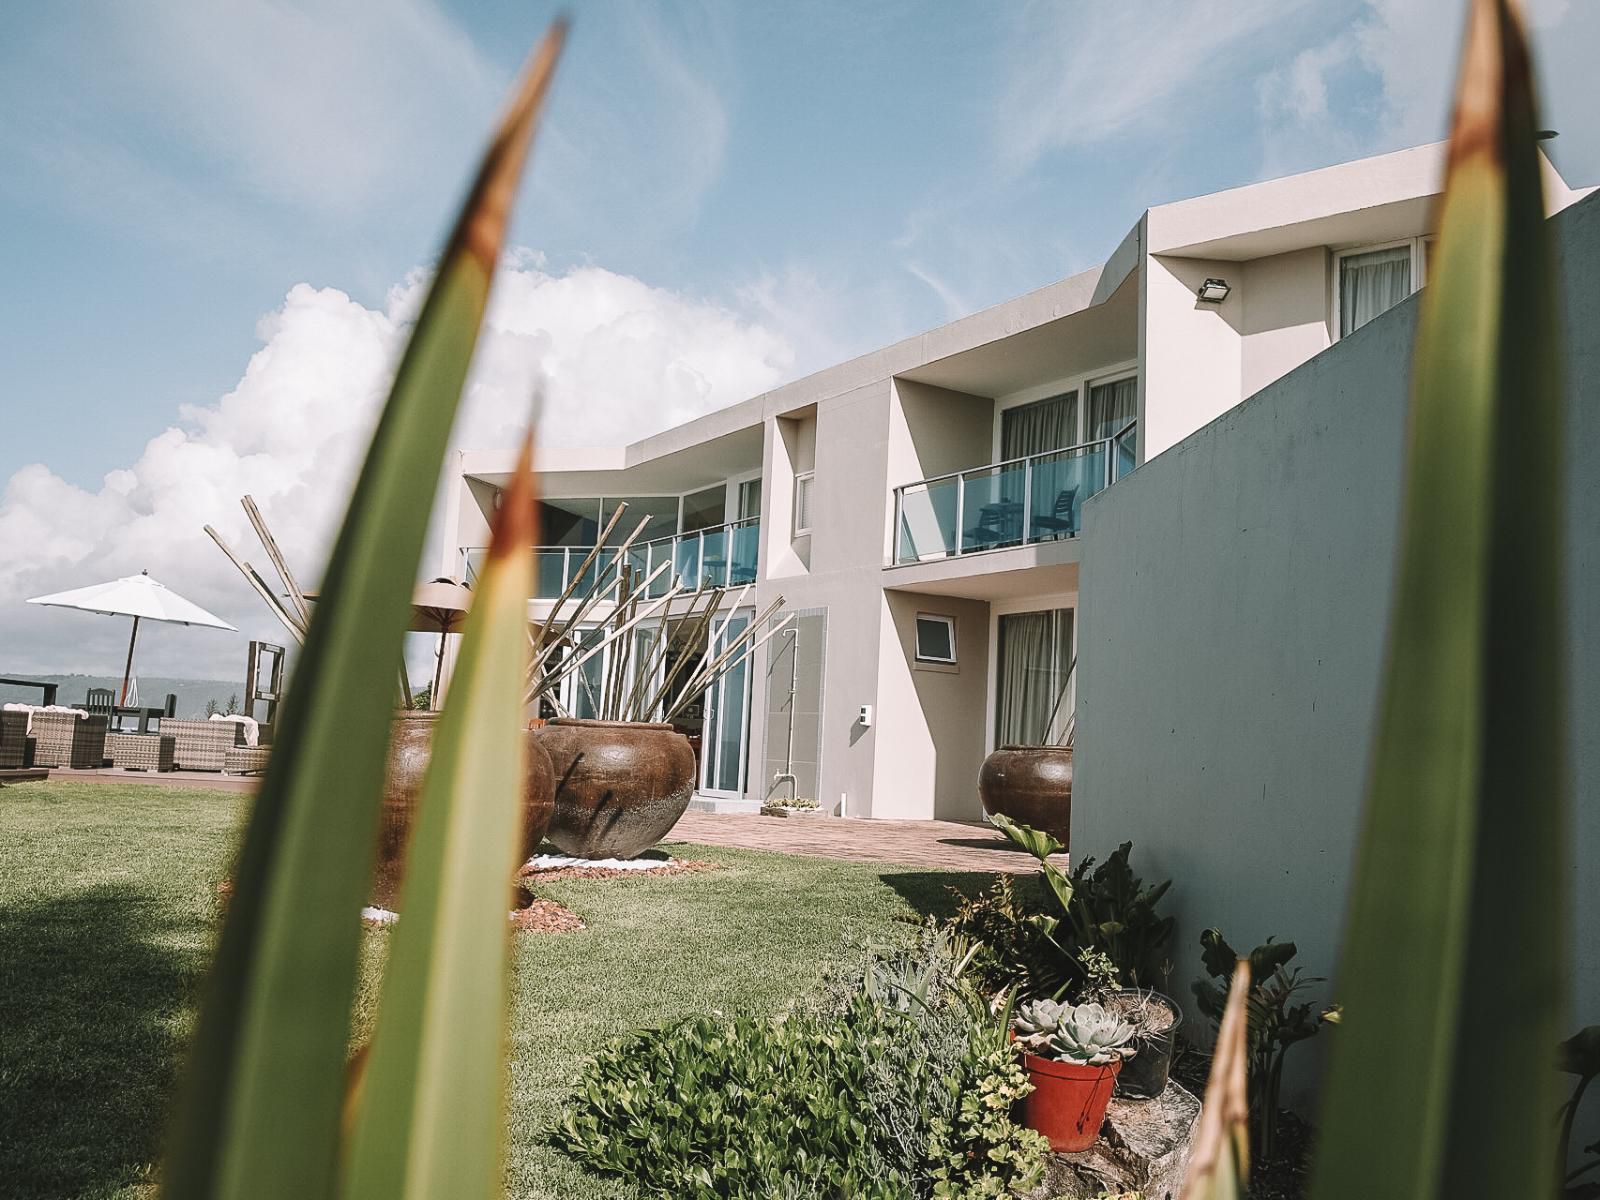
127 671
438 671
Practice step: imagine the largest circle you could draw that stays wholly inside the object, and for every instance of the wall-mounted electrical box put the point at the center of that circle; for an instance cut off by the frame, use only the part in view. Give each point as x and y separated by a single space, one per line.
864 716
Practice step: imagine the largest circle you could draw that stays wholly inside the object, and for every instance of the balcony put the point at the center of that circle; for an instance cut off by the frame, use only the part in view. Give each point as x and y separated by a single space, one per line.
1017 503
720 557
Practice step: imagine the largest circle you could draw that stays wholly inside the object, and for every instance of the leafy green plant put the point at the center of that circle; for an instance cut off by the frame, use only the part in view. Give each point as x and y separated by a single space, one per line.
1103 929
265 1098
1274 1024
918 1076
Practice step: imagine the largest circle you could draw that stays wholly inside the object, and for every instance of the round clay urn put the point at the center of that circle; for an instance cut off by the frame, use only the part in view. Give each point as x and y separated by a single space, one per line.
410 745
1031 785
620 785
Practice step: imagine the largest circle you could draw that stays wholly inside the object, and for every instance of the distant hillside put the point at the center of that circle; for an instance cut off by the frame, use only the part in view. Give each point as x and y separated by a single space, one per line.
192 694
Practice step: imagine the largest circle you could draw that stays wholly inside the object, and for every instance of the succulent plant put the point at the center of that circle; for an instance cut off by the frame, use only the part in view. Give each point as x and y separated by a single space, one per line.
1090 1035
1036 1020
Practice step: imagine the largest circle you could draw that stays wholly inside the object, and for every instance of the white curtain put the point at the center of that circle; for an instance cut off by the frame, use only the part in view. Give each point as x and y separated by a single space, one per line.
1371 284
1035 653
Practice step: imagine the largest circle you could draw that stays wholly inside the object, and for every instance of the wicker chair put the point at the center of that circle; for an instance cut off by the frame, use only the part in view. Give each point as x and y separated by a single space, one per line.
141 751
202 745
13 740
68 740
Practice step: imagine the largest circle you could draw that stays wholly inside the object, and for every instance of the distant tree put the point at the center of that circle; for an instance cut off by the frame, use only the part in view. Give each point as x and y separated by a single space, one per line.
423 698
233 704
211 708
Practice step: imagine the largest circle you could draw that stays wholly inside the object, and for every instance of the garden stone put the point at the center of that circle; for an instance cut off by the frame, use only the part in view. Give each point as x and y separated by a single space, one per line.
1143 1147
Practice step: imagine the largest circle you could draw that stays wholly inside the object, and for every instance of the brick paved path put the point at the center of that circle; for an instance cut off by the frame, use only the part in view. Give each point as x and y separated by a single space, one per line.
942 844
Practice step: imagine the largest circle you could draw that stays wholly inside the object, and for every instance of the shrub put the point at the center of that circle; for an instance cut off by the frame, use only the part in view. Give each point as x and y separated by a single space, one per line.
898 1082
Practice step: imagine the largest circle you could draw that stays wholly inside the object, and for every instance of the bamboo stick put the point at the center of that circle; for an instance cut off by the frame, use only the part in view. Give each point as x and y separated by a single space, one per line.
743 658
275 556
708 675
254 580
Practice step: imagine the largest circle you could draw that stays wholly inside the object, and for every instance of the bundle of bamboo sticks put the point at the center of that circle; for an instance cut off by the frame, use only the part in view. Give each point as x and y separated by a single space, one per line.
638 682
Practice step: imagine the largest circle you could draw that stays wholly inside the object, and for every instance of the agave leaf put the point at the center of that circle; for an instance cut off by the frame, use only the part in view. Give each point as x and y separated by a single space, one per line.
260 1108
1219 1159
431 1121
1458 912
1035 841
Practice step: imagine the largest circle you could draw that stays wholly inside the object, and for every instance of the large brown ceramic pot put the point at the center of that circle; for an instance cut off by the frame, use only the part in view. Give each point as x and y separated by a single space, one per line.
1031 785
410 745
620 786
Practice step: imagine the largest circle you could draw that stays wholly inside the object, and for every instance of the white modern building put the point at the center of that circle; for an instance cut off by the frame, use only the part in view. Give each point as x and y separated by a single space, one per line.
921 509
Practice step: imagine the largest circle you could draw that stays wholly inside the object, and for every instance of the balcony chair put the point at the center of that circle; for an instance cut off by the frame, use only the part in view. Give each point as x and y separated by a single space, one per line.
997 525
1060 520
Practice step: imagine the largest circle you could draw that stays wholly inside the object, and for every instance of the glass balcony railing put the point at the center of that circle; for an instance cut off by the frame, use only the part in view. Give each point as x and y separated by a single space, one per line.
720 557
1034 499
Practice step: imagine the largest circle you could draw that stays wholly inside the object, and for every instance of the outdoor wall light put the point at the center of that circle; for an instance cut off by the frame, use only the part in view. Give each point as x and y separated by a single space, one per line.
1214 291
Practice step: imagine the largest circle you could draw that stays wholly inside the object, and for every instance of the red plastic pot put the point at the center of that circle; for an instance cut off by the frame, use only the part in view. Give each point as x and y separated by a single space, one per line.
1068 1101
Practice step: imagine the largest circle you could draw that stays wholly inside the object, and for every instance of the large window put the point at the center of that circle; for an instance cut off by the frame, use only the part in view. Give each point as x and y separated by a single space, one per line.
1034 670
1372 281
706 509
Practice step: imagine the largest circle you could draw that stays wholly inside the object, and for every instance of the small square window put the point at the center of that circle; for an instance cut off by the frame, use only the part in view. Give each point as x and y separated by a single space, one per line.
802 503
936 639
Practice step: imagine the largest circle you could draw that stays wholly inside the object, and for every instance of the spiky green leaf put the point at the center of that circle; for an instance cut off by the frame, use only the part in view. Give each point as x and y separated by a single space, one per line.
259 1114
1453 971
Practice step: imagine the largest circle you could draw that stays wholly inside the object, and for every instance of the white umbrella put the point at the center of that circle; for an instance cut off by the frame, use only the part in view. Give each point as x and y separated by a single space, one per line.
139 597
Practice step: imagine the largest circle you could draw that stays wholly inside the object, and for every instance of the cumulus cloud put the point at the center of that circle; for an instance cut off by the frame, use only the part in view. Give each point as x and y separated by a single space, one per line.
1403 53
617 358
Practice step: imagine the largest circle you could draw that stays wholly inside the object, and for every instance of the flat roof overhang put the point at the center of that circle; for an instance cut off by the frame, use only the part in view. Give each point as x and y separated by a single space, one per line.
604 472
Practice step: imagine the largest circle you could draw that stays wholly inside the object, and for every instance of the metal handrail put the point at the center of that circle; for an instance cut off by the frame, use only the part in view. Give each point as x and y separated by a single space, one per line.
1111 446
647 550
1011 462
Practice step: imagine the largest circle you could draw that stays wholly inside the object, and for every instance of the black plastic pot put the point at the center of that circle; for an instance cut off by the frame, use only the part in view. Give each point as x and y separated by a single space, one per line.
1144 1076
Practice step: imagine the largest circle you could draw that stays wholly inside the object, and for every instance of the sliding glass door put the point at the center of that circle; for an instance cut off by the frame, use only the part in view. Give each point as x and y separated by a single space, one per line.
727 719
1033 703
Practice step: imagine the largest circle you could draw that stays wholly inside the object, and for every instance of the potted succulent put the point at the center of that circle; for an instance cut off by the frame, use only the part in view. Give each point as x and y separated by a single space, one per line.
798 806
1155 1019
1073 1054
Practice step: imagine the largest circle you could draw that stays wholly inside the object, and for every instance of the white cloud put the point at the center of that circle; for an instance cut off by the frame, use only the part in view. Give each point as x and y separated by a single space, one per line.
618 358
1406 52
1082 74
326 106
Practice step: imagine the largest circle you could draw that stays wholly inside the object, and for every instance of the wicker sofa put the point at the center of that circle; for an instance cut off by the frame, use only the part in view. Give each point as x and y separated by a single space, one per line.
65 739
202 745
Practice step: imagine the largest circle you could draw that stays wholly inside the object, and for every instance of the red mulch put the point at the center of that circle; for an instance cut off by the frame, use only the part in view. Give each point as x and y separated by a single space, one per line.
546 916
678 866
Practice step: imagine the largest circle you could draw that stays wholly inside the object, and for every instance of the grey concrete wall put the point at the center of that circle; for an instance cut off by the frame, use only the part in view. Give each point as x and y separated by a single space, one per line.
1235 593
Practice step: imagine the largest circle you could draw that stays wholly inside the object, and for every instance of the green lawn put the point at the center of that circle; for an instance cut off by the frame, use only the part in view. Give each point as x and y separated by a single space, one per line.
107 910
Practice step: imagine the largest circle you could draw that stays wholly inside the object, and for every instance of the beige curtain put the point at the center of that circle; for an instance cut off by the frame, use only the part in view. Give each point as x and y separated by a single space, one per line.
1035 651
1371 284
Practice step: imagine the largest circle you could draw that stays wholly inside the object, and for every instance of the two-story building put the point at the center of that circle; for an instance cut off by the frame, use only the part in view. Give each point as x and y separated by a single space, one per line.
920 508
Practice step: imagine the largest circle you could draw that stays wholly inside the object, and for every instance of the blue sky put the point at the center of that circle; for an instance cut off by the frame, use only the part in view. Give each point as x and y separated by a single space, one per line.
799 182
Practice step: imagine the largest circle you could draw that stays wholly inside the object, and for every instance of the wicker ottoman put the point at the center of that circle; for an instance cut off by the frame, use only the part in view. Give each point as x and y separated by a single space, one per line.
245 760
141 751
67 740
202 745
